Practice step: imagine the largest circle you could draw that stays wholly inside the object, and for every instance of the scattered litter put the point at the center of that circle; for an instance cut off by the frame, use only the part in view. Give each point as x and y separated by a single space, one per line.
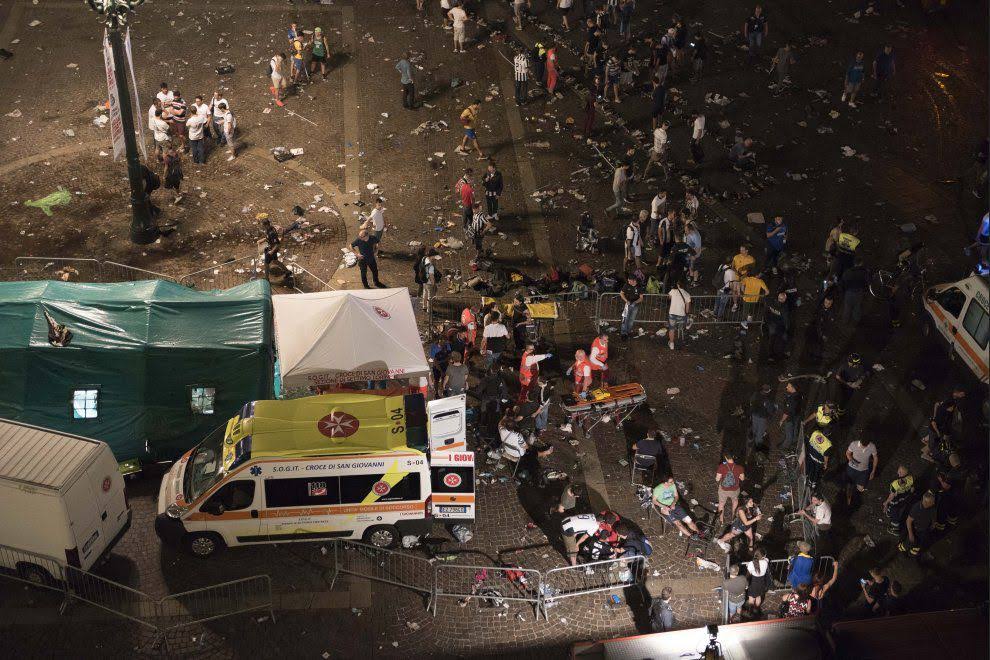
103 153
101 120
877 367
539 145
755 218
69 133
848 152
60 197
16 112
717 99
909 228
870 543
704 564
931 218
834 114
298 151
34 23
71 65
412 625
308 183
673 390
916 383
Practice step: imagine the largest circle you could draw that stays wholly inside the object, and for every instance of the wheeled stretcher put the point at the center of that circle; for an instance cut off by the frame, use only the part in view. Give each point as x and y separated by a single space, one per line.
619 401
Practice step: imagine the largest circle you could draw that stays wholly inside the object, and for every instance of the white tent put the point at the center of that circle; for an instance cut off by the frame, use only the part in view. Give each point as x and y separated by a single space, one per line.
337 337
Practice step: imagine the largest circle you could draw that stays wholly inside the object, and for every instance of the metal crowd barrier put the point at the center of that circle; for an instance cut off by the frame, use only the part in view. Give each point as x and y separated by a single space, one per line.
111 271
489 583
779 568
594 577
56 268
225 275
216 602
34 569
704 310
382 565
111 597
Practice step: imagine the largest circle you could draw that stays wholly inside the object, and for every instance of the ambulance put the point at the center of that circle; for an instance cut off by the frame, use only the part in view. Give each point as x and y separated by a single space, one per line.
958 311
352 466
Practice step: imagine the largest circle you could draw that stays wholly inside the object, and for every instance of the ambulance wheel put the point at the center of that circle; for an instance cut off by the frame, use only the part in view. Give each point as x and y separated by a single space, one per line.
35 574
203 544
382 536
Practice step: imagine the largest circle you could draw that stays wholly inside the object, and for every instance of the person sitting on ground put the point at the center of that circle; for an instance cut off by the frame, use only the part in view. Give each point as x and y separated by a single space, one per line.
746 518
665 498
742 156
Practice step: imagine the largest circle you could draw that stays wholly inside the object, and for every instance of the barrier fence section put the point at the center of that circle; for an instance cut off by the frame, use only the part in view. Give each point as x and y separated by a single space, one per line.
382 565
111 596
593 577
225 275
111 271
489 583
215 602
55 268
35 569
779 568
704 310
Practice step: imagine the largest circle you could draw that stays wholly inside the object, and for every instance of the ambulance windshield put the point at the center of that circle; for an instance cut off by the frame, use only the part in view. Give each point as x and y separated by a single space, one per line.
204 467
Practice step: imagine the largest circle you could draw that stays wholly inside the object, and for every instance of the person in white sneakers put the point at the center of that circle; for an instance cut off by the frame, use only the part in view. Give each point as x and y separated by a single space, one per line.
459 19
229 127
854 78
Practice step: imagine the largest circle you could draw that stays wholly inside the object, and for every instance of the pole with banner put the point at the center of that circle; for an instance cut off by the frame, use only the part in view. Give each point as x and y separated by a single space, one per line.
137 101
116 123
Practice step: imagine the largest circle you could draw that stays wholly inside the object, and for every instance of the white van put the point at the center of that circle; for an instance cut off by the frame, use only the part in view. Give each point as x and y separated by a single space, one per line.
314 468
61 496
958 311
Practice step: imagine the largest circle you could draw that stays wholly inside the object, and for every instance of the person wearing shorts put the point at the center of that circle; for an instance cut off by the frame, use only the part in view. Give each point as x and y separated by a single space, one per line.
746 517
565 7
278 80
321 51
665 499
458 17
680 305
861 467
729 477
468 119
298 62
576 530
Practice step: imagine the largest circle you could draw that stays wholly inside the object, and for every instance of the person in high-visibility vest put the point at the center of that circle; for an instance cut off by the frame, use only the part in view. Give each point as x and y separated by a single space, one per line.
846 246
599 356
529 367
900 496
823 415
817 455
582 374
469 319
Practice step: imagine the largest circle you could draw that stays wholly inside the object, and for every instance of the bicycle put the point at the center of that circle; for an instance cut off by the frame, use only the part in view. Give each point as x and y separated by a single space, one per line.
884 283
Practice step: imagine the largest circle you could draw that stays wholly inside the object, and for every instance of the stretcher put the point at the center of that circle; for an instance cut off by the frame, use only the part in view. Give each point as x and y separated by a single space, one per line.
619 401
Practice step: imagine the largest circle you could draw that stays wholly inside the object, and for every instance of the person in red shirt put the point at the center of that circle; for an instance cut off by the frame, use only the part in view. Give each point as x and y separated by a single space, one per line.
729 477
469 319
599 356
465 189
582 374
529 367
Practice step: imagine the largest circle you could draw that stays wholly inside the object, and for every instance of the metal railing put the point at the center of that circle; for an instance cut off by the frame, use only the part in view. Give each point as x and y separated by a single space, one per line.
216 602
594 577
32 568
58 268
488 583
307 282
704 310
382 565
779 568
111 597
111 271
225 275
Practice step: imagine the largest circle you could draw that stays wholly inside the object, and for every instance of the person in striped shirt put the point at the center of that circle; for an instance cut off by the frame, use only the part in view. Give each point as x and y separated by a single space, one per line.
178 117
521 66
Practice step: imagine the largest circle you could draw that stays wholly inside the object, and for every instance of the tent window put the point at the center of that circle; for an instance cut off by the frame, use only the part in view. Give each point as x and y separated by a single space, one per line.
84 404
203 399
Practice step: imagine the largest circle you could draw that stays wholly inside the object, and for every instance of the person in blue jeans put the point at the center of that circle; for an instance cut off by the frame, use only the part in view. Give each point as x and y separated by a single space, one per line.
776 242
884 68
631 295
854 79
755 29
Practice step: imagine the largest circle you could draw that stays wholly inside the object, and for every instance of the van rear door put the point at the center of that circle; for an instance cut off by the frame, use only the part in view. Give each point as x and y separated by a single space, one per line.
452 478
85 520
447 422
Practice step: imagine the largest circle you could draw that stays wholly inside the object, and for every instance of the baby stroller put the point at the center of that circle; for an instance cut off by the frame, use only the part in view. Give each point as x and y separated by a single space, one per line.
587 235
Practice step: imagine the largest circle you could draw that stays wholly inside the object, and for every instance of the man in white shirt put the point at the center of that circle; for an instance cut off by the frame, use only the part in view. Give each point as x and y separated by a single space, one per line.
576 530
861 467
151 114
634 239
164 95
658 209
229 124
494 339
217 121
658 154
514 445
680 305
195 125
697 132
377 218
160 128
819 512
458 17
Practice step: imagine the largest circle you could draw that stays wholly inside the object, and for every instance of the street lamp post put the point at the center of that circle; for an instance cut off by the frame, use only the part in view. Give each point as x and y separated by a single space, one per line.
144 230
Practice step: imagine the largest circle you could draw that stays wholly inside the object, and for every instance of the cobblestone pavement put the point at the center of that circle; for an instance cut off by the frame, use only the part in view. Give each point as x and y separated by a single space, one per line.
354 145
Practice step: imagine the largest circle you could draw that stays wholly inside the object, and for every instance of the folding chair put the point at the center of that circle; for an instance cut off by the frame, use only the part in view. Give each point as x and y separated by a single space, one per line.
646 464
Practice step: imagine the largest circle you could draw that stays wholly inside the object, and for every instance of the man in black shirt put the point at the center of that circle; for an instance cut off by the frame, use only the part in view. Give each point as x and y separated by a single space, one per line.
790 420
492 181
631 296
854 283
762 407
847 381
364 244
649 449
778 320
918 528
678 255
658 100
700 54
755 29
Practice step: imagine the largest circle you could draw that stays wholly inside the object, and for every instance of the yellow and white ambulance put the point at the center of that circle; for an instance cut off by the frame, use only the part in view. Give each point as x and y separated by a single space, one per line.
321 467
959 312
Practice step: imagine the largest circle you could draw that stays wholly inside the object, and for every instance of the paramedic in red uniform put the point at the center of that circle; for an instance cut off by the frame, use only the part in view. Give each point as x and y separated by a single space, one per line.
582 374
529 366
599 356
469 319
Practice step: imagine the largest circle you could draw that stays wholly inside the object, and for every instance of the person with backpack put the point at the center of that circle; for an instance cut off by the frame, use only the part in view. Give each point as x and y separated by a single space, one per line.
677 314
729 477
661 613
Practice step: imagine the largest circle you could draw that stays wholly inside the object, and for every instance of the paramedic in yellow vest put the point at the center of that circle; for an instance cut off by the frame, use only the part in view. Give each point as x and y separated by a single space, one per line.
901 493
529 367
823 415
582 374
845 250
816 459
599 356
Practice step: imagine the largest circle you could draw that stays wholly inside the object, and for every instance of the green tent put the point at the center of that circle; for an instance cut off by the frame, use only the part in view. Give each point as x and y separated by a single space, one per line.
149 367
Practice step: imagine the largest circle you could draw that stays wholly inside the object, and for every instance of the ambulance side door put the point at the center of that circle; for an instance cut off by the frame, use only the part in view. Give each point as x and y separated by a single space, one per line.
447 423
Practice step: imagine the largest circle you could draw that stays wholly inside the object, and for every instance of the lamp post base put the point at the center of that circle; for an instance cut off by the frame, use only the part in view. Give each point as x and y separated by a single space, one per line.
144 229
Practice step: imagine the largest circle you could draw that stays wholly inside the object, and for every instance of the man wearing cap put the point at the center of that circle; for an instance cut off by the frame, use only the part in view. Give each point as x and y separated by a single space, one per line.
847 380
321 52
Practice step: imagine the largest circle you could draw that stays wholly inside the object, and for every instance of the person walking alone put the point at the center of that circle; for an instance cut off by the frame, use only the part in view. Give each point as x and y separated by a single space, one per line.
755 30
854 79
364 245
620 186
277 88
492 180
404 67
520 66
459 18
468 119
